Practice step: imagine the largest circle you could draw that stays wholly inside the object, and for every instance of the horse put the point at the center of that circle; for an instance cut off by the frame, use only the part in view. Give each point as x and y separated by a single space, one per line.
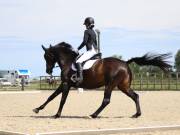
109 72
52 82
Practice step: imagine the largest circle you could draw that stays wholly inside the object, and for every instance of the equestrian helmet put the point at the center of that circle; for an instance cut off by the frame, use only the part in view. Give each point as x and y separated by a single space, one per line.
89 21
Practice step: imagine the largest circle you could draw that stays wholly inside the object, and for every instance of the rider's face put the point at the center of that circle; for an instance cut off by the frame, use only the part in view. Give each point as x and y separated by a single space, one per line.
86 26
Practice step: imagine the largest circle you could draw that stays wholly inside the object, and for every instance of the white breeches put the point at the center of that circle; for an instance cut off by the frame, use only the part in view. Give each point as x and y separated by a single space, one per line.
87 55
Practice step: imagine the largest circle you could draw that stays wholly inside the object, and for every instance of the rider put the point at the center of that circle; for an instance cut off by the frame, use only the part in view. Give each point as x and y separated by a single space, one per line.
91 46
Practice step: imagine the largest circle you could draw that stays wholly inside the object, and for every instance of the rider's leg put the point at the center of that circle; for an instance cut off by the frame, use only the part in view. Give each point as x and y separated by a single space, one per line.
79 73
84 57
87 55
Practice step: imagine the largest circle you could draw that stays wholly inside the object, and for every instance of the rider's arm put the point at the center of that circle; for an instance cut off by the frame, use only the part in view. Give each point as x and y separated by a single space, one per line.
86 35
95 46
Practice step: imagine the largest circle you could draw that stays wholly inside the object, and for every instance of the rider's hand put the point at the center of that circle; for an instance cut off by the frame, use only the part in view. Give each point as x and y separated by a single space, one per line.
77 51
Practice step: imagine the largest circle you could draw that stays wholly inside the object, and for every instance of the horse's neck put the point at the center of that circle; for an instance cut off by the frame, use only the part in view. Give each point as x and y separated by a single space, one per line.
65 66
65 61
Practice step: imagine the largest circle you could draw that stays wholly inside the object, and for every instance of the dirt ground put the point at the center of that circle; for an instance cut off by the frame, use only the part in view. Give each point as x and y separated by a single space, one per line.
159 108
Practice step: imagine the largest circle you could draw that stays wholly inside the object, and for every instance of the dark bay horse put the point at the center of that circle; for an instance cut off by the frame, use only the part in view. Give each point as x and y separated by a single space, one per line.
109 72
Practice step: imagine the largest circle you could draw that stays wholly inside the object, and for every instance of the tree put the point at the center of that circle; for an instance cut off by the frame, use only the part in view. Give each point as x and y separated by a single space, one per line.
144 69
117 56
177 61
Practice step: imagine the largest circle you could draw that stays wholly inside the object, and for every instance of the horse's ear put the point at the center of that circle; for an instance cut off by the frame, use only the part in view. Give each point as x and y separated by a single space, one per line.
44 48
50 46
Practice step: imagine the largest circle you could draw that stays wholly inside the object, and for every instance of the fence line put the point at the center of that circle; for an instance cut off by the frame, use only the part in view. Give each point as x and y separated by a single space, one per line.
11 133
115 131
50 83
143 81
154 81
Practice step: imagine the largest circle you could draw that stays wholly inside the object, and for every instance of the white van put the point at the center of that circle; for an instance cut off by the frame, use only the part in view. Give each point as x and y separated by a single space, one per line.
4 82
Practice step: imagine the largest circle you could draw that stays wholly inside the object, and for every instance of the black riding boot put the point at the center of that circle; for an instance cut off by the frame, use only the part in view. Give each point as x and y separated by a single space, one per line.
79 73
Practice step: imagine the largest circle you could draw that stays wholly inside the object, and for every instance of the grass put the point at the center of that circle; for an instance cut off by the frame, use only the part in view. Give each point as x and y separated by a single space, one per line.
136 85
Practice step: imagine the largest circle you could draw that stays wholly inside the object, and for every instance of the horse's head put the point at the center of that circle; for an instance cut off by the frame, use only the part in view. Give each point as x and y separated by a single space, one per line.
61 53
50 59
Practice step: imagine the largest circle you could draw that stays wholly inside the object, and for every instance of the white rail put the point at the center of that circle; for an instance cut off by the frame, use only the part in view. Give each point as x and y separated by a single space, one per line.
115 131
11 133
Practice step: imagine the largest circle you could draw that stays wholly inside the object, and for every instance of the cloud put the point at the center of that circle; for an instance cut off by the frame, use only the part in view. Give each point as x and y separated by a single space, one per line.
10 3
65 17
128 27
130 43
120 33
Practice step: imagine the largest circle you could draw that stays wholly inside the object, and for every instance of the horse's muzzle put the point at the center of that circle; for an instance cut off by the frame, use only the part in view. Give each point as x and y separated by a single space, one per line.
49 71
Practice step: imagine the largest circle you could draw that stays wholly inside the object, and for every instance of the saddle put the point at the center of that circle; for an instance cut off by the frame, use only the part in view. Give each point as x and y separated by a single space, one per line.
86 65
89 62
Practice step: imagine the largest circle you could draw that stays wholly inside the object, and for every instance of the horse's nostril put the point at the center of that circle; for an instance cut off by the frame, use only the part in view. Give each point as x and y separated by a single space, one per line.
48 71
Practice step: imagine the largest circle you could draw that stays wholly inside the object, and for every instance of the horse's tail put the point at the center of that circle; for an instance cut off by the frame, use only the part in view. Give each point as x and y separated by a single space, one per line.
158 60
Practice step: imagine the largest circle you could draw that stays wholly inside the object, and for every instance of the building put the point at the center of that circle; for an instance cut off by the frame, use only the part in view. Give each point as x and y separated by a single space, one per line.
14 76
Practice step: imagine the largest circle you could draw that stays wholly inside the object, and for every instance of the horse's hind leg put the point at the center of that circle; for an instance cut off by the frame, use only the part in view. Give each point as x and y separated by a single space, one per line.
106 101
135 97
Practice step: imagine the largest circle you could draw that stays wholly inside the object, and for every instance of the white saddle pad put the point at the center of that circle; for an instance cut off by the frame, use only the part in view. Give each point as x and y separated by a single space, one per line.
87 65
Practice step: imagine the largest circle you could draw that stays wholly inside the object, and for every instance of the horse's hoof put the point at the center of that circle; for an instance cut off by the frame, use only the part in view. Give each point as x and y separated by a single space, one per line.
88 117
35 110
56 116
136 115
93 116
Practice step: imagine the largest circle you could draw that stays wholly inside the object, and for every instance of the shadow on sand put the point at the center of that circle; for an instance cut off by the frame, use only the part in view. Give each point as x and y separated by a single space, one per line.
62 117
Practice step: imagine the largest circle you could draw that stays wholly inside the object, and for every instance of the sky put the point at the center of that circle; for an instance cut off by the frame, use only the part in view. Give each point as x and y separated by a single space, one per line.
129 28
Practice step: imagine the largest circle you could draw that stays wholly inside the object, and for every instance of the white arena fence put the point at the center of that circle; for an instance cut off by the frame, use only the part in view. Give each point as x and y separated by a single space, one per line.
115 131
11 133
141 81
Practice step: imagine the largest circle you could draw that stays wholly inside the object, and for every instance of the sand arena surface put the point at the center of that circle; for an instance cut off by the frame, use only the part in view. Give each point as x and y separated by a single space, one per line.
158 108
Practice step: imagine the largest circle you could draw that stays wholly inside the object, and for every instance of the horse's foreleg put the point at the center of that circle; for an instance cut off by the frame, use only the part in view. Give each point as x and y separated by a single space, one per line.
106 101
57 92
65 93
